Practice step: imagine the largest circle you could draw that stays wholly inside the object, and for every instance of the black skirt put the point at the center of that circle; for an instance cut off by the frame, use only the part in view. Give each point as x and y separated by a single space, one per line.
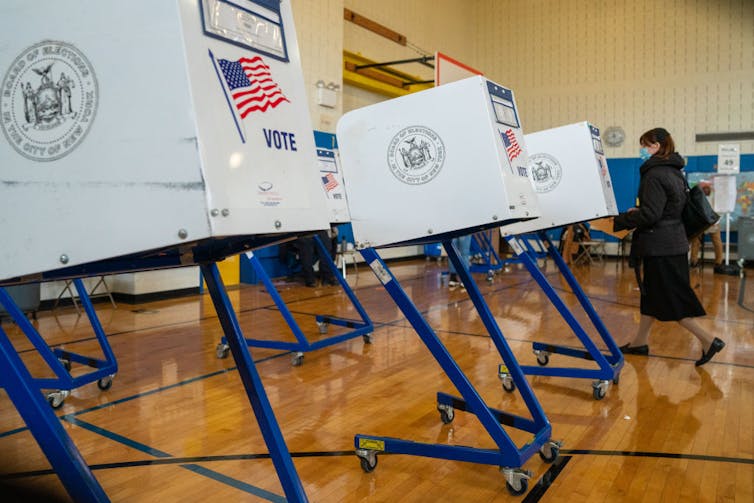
667 289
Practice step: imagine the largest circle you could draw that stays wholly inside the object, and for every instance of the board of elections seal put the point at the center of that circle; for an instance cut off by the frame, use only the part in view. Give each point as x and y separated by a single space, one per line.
48 100
546 172
416 155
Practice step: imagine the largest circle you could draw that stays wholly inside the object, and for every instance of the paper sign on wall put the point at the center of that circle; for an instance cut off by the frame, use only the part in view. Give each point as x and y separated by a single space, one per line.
724 200
728 159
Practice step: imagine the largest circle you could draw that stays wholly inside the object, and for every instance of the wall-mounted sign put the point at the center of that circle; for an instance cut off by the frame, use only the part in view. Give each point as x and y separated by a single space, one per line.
728 159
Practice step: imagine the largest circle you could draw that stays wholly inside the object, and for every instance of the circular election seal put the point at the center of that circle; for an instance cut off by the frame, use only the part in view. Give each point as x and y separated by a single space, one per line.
546 172
416 155
48 100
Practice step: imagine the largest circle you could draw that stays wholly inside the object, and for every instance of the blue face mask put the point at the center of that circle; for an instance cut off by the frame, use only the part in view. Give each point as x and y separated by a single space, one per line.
644 153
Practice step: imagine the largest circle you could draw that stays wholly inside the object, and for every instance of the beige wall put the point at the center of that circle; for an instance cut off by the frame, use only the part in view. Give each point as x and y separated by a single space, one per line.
319 26
685 64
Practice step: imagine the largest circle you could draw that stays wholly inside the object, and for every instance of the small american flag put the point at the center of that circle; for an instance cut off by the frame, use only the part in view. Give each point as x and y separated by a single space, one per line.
330 182
251 86
511 144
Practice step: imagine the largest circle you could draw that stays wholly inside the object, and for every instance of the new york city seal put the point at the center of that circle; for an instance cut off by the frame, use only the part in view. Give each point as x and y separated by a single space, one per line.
48 100
416 155
545 171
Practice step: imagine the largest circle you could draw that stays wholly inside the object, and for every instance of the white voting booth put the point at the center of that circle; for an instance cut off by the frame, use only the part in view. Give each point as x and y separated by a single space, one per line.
449 158
332 183
569 173
148 126
428 167
139 129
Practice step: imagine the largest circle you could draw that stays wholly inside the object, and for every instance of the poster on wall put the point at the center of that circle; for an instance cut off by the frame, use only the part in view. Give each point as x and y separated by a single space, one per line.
724 190
743 196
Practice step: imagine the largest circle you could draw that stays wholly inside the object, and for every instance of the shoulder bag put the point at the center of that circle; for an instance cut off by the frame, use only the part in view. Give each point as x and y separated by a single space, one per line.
698 215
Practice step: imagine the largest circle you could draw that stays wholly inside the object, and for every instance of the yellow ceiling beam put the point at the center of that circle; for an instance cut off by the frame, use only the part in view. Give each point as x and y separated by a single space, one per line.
382 80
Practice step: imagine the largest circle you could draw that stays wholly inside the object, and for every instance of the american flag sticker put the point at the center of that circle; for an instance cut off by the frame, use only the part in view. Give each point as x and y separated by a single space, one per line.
512 148
251 85
330 182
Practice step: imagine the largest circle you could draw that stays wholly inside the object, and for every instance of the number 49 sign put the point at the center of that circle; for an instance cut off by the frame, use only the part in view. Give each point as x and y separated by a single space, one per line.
728 159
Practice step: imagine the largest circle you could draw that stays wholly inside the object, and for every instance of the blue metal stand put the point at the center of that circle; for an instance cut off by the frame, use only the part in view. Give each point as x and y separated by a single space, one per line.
59 360
252 382
507 455
362 327
481 245
23 389
526 241
57 446
609 364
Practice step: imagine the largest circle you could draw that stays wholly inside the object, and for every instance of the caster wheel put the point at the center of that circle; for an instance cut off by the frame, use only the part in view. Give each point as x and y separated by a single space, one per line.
367 465
447 415
549 452
297 360
523 485
599 392
367 338
509 385
56 398
221 351
543 359
105 383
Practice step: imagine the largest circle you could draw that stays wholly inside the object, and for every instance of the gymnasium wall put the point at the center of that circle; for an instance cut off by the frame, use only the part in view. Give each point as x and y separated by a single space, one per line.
687 65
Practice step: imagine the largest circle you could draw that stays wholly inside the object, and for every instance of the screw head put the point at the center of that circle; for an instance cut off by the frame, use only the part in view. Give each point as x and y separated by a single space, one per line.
64 259
278 224
214 212
494 217
182 233
225 212
430 231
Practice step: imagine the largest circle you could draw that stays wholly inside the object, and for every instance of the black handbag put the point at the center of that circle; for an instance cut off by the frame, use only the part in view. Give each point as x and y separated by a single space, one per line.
698 215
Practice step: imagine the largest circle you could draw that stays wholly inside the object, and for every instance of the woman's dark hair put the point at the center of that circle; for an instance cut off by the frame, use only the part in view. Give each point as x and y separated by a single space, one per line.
661 136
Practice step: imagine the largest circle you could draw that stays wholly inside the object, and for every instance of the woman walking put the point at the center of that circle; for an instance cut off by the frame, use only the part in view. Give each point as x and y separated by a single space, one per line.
660 246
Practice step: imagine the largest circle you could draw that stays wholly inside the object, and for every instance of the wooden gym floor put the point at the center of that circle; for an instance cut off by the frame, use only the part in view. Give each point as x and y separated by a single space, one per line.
176 425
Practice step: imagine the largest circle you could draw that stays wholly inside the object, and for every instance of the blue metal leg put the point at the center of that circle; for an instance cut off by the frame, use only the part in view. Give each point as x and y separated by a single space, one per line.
104 370
365 320
608 369
252 382
496 335
362 327
616 357
57 446
491 259
507 454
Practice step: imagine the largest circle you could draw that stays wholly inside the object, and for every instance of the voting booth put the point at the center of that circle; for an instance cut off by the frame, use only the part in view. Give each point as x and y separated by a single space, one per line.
117 143
143 135
428 167
337 204
412 163
569 173
331 175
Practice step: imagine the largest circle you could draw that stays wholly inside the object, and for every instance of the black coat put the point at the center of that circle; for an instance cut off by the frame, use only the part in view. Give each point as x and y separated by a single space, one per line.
662 196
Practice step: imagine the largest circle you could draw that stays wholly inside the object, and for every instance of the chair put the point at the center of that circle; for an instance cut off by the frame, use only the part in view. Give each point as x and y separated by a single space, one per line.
589 251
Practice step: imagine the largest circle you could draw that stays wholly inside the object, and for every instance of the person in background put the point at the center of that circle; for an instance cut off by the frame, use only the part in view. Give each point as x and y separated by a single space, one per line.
660 247
714 234
463 245
310 254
